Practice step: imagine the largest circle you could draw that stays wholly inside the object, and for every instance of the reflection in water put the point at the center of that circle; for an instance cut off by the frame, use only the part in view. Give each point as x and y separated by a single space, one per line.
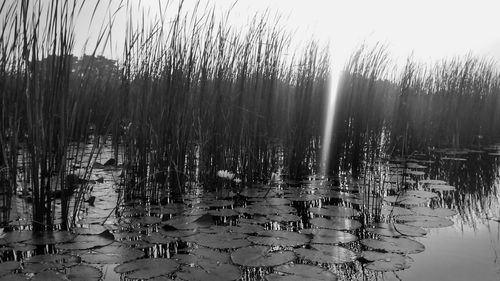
326 219
478 184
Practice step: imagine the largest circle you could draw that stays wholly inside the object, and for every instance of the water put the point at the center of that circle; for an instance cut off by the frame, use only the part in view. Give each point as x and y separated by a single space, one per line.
210 230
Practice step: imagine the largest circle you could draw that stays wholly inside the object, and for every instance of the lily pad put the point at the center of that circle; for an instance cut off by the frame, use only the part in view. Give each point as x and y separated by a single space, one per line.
50 237
335 211
16 236
432 182
84 273
328 236
395 211
222 272
14 277
211 255
112 254
300 272
219 241
394 245
441 187
39 267
386 261
284 218
223 213
406 200
260 256
83 242
49 276
54 258
396 230
336 223
425 221
421 194
8 267
158 238
147 268
437 212
327 254
93 229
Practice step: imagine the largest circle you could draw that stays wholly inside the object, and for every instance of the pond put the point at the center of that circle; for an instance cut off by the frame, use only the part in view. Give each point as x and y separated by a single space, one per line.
426 217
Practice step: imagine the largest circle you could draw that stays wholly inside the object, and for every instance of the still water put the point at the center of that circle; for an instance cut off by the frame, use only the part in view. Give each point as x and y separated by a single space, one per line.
394 224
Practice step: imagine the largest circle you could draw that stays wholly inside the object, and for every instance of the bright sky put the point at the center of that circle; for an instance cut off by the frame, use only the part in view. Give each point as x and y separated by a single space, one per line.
431 29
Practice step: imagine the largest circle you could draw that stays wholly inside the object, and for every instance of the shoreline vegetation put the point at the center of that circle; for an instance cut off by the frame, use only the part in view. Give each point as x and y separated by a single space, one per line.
192 96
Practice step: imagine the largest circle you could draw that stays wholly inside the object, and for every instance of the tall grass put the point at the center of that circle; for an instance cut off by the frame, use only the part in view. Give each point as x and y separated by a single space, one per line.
450 103
198 88
41 108
192 95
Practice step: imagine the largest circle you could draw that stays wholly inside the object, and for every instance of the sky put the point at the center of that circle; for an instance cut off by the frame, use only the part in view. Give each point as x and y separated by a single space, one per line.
430 30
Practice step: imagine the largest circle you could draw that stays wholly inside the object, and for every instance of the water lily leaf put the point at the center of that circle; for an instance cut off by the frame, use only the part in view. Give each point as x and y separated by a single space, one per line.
275 241
8 266
437 212
194 212
211 255
395 211
158 238
148 220
326 254
328 236
83 242
421 194
441 187
112 254
336 223
178 233
267 210
406 200
14 277
49 276
414 173
15 237
187 222
425 221
293 236
259 256
304 198
453 159
222 272
386 261
284 218
395 245
300 272
84 273
39 267
432 182
51 237
54 258
185 259
21 247
335 211
219 241
247 228
219 203
147 268
396 230
274 201
160 278
223 213
93 229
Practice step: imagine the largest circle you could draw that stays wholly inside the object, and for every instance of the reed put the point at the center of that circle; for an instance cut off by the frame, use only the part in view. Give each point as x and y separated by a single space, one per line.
192 95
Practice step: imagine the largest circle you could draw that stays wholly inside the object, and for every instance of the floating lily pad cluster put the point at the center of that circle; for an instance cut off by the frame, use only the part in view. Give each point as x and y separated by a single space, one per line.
295 230
408 217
